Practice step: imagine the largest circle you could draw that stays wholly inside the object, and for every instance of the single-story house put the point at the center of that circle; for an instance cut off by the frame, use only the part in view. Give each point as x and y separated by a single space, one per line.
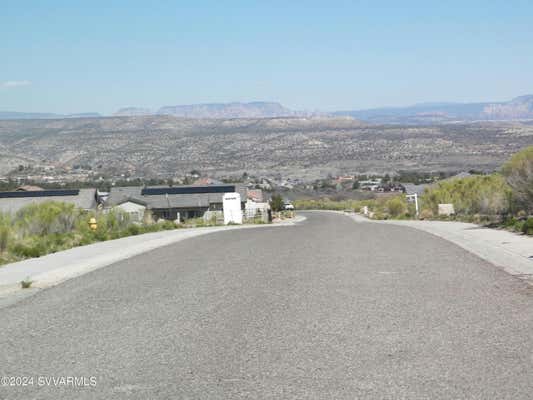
134 208
171 202
11 202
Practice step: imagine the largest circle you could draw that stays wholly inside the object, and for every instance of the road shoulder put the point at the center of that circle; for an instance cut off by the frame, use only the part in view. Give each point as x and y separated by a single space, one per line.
509 251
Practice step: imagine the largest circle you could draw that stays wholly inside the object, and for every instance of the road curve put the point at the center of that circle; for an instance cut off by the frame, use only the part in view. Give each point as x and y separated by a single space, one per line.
326 309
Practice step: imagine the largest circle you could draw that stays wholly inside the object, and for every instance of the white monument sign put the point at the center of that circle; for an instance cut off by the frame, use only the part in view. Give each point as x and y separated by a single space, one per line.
231 205
446 209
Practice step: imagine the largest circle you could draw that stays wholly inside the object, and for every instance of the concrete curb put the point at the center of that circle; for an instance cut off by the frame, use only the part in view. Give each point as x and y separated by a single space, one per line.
53 269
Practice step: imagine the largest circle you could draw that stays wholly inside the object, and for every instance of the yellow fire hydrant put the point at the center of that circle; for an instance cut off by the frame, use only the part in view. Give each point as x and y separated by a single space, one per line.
92 224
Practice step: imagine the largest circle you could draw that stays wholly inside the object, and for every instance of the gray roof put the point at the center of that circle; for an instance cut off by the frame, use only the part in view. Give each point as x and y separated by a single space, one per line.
85 200
119 195
411 188
460 175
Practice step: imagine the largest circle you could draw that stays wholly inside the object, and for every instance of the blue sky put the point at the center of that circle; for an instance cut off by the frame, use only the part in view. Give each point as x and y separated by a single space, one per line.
75 56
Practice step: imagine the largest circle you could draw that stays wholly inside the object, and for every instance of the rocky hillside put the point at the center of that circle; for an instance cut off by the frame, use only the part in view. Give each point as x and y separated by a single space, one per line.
164 146
518 108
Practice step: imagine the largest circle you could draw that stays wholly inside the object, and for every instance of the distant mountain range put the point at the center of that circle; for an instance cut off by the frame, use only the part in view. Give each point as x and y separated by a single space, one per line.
426 113
257 109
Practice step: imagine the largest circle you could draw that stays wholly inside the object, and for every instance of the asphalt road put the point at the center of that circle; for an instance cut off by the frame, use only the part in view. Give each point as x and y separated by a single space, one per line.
327 309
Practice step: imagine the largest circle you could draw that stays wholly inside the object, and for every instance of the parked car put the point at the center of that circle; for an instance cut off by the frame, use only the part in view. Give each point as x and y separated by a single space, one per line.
288 206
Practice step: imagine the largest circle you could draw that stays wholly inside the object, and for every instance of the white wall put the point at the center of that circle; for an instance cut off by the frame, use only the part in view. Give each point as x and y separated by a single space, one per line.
134 210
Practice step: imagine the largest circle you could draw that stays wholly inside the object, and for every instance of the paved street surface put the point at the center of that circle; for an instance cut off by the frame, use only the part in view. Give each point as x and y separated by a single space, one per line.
510 251
57 267
327 309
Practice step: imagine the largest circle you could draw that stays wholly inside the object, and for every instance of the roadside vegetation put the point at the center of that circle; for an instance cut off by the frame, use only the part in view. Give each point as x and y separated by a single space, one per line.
40 229
474 196
395 206
502 199
44 228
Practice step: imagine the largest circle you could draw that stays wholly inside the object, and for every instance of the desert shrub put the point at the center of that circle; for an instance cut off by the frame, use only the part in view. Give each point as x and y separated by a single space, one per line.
46 218
114 222
36 246
396 206
482 194
191 222
29 250
327 204
167 225
527 226
509 222
26 283
379 215
133 229
426 214
383 207
518 172
276 202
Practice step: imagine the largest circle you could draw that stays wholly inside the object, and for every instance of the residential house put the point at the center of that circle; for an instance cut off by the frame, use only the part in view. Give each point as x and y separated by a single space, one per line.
371 184
13 201
171 202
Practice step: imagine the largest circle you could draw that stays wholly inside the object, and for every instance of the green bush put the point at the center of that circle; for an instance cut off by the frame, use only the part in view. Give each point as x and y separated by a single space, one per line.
45 218
133 229
396 206
29 250
481 194
26 283
167 225
518 172
327 204
527 226
383 207
276 202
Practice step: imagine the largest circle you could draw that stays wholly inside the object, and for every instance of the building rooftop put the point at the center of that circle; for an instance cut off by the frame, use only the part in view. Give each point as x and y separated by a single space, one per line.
11 202
190 196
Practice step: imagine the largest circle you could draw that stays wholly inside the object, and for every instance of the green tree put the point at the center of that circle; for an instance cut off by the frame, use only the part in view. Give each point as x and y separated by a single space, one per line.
276 202
518 172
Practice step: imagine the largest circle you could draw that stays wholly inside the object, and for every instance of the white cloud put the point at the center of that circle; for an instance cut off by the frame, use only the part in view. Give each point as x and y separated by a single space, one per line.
11 84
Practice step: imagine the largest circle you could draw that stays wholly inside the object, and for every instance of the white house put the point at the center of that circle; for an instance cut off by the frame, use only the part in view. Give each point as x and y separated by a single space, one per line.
135 209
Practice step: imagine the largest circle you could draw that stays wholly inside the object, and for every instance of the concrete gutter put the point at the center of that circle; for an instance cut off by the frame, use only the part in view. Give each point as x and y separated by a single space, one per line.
507 250
55 268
